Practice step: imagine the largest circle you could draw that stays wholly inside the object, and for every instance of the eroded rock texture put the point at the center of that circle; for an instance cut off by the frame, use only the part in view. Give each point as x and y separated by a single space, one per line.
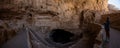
71 15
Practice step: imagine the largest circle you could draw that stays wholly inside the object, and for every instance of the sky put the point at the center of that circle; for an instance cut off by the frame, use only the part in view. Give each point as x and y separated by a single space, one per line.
115 2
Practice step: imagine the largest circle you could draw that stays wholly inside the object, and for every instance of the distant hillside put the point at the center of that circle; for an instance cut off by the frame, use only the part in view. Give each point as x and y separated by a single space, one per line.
114 19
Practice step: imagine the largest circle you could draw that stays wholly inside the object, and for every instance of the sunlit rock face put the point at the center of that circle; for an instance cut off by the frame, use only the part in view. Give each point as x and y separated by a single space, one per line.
70 15
67 11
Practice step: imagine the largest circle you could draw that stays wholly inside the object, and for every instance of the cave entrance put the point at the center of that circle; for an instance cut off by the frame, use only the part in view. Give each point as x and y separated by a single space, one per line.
61 36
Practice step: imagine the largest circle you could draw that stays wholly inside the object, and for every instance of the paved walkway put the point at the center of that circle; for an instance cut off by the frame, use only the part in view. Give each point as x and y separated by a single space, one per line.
114 38
21 40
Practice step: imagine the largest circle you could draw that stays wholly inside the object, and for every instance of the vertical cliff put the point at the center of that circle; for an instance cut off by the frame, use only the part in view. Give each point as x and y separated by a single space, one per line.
65 14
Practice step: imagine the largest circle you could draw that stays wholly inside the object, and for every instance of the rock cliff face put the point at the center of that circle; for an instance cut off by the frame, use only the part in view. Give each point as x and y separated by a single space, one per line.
114 20
70 15
65 10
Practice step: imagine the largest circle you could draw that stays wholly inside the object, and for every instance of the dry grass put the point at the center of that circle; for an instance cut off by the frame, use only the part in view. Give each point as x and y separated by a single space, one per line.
114 20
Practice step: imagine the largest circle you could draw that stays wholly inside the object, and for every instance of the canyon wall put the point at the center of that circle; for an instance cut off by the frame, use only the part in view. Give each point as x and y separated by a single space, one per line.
67 11
70 15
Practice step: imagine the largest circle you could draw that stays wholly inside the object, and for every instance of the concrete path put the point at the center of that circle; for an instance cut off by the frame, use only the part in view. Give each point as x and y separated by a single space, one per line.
21 40
114 38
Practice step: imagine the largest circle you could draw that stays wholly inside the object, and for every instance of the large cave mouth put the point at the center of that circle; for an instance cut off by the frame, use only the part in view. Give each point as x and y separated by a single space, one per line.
61 36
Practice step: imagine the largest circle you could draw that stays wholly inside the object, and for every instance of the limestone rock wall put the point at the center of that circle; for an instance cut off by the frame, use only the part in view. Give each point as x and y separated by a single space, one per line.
66 14
67 10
